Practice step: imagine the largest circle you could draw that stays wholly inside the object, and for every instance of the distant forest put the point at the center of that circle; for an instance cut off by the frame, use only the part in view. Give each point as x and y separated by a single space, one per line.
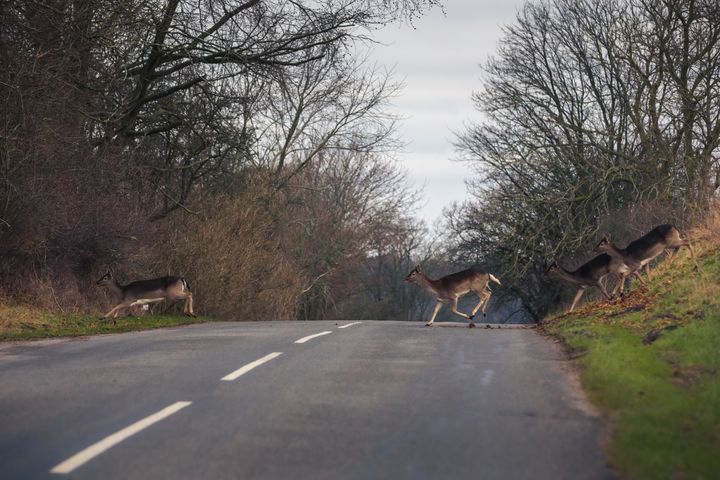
248 145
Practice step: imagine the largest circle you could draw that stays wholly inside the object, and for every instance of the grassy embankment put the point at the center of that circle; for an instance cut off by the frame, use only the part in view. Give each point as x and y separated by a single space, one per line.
23 322
661 394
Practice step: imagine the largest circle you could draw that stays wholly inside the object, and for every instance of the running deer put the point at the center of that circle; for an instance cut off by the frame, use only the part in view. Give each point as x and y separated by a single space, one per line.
144 292
639 253
451 287
589 274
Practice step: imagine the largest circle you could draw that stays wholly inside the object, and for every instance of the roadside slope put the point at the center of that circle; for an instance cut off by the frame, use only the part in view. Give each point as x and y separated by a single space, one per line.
651 362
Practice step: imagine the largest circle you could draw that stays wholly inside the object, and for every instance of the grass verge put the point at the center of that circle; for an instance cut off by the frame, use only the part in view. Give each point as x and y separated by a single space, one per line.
651 362
23 322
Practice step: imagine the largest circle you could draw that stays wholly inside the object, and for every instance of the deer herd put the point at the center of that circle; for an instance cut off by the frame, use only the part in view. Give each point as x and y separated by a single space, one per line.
622 262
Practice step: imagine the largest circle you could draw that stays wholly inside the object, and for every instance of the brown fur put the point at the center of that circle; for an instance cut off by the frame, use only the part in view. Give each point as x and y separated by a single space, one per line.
451 287
144 292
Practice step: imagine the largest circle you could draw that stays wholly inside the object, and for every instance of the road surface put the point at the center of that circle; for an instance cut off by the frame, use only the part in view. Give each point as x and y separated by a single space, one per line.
296 400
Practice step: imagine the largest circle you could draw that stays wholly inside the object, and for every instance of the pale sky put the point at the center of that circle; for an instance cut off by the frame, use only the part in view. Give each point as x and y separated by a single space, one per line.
439 63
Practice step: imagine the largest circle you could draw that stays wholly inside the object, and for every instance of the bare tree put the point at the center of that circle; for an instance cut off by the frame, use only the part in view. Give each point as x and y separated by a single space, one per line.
334 104
113 115
340 209
591 106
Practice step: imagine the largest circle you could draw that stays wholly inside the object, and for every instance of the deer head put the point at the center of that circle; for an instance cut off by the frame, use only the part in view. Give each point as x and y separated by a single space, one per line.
604 244
105 279
414 274
552 269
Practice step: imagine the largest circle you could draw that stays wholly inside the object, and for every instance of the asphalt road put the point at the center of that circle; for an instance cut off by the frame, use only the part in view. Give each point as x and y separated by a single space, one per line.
375 400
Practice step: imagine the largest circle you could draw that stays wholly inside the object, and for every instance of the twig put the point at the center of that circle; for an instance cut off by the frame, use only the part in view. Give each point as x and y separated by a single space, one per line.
312 284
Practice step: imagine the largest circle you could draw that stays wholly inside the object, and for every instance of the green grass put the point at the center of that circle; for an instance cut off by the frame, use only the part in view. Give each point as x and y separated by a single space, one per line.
25 322
662 399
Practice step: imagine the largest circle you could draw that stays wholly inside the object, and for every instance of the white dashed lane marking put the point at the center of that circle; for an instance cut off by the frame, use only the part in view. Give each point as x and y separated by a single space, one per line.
106 443
84 456
349 325
310 337
246 368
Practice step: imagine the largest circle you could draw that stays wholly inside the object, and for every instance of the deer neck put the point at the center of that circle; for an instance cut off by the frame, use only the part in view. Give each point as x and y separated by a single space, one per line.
115 288
425 282
614 251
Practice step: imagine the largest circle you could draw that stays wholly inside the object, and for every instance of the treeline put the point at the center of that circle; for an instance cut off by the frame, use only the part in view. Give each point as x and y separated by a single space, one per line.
242 144
600 115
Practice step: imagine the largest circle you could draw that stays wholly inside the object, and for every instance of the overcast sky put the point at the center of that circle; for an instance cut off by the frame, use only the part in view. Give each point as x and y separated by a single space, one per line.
438 62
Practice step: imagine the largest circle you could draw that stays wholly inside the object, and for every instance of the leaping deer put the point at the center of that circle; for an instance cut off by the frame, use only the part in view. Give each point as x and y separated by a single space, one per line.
143 292
451 287
639 253
589 274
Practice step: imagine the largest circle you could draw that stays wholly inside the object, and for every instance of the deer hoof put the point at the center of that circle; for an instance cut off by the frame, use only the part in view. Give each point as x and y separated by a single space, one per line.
471 325
428 324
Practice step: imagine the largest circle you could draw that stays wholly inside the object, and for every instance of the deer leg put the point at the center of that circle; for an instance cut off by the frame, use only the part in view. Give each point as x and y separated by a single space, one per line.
455 310
602 289
188 310
620 287
438 306
488 294
577 298
484 298
486 301
114 312
639 276
183 295
120 309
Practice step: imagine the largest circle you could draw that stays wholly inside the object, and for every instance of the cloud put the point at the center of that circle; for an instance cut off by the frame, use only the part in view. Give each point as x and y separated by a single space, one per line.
439 62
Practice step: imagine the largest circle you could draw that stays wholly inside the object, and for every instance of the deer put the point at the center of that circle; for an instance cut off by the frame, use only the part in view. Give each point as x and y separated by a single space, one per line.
144 292
451 287
639 253
589 274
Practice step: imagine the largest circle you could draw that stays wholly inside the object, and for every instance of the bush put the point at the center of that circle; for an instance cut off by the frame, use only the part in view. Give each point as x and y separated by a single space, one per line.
233 259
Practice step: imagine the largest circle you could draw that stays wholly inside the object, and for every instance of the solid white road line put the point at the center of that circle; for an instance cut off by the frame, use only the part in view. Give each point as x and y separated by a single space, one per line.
310 337
349 325
243 370
106 443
